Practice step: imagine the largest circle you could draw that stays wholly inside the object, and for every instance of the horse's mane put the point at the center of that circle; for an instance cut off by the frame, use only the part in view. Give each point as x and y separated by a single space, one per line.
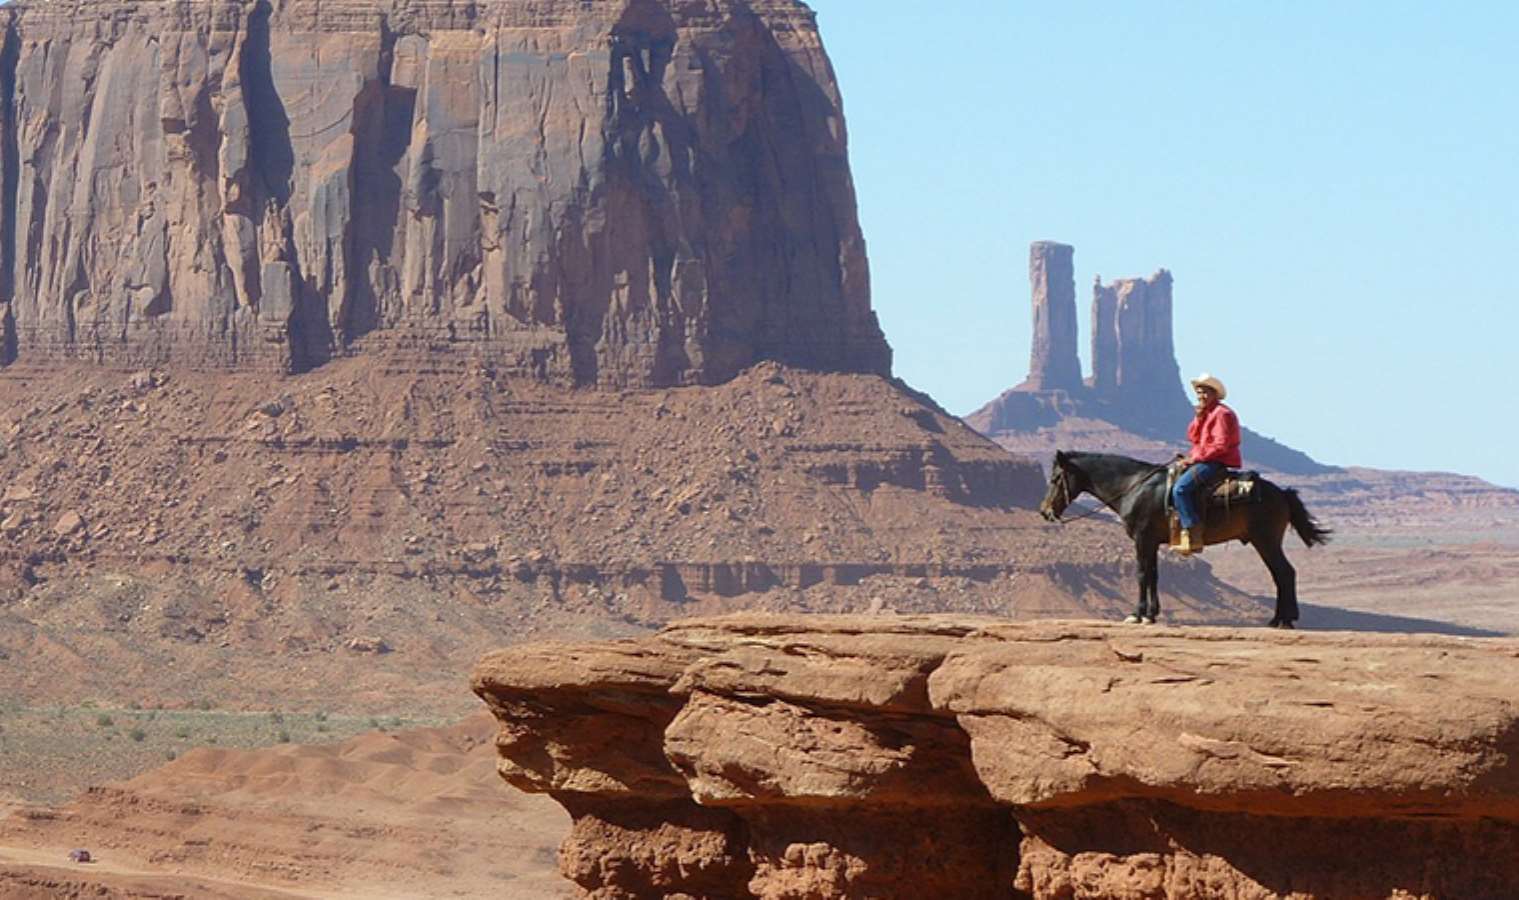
1109 459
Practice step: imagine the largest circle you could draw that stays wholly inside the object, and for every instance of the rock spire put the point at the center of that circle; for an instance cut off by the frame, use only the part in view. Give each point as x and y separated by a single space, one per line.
1133 354
1053 364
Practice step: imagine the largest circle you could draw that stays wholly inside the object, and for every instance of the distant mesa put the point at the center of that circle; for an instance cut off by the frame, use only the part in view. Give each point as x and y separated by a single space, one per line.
1135 387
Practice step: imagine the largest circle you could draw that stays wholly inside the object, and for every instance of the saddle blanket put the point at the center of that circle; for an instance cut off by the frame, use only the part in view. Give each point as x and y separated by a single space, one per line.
1235 488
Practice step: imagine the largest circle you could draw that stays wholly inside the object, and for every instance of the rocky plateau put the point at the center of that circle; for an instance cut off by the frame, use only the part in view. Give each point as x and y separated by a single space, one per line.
787 757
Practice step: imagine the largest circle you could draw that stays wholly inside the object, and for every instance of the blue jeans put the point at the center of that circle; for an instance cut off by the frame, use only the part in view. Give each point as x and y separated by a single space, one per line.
1186 494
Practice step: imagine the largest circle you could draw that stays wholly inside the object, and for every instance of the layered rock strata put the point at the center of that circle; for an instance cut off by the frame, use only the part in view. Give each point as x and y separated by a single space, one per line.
616 192
935 756
243 527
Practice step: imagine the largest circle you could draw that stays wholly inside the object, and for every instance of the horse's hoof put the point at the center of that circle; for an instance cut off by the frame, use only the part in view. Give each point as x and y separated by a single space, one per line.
1274 623
1287 624
1147 620
1132 620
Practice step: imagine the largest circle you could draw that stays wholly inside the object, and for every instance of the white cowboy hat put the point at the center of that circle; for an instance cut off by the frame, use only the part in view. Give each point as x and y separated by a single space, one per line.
1207 380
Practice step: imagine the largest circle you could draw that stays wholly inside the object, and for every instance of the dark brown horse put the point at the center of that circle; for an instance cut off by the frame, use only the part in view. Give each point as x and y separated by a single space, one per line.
1136 491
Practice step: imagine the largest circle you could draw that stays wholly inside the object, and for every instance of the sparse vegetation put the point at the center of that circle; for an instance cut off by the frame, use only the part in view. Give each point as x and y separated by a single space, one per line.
57 750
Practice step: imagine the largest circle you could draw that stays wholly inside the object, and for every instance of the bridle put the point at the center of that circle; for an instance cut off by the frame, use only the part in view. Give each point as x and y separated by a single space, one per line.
1059 479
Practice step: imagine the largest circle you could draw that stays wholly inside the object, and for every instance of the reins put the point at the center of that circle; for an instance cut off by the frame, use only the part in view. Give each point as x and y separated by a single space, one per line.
1087 514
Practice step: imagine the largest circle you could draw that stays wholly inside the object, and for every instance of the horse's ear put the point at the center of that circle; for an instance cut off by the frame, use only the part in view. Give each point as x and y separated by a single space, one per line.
1060 457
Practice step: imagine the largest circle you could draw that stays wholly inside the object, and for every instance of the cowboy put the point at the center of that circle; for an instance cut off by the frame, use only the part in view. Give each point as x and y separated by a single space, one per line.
1214 435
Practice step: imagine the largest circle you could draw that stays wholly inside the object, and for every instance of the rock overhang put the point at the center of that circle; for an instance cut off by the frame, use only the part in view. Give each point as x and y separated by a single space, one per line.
1042 724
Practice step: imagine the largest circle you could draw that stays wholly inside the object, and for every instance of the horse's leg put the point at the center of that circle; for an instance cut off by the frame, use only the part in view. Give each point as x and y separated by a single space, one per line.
1145 553
1153 583
1284 575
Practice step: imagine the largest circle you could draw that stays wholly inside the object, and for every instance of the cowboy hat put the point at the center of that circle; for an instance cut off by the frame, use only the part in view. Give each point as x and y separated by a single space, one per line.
1207 380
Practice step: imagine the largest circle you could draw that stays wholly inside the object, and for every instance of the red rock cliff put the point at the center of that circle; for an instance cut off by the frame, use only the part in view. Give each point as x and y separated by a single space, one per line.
945 757
613 192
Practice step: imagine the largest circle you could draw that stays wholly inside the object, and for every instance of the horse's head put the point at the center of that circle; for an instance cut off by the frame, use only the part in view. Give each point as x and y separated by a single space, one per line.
1066 483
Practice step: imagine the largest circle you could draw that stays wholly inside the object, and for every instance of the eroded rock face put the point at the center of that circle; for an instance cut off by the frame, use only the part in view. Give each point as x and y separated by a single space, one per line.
933 756
617 192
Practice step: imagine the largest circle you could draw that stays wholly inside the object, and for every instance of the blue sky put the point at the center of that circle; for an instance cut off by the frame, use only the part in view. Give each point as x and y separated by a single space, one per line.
1335 187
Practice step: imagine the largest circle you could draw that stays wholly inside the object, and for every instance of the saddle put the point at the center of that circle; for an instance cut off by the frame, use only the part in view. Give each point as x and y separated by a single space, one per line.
1233 488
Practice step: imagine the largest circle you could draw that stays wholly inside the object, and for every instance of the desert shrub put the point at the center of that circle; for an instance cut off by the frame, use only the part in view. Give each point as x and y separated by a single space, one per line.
137 734
104 721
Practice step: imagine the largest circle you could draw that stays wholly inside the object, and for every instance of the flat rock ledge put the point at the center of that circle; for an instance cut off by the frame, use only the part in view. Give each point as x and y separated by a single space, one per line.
880 756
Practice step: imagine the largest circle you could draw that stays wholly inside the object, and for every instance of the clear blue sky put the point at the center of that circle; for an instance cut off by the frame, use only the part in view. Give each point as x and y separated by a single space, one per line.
1335 187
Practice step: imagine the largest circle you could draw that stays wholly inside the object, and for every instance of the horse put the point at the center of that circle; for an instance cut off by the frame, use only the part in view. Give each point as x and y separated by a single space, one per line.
1136 491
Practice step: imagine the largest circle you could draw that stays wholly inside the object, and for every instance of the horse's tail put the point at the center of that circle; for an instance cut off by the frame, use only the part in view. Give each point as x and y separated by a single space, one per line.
1306 526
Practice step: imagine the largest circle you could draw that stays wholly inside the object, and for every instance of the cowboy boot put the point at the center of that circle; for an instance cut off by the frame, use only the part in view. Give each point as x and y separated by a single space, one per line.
1193 539
1183 545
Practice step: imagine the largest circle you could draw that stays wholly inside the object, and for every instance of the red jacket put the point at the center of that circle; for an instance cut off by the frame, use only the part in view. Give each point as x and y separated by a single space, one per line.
1215 437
